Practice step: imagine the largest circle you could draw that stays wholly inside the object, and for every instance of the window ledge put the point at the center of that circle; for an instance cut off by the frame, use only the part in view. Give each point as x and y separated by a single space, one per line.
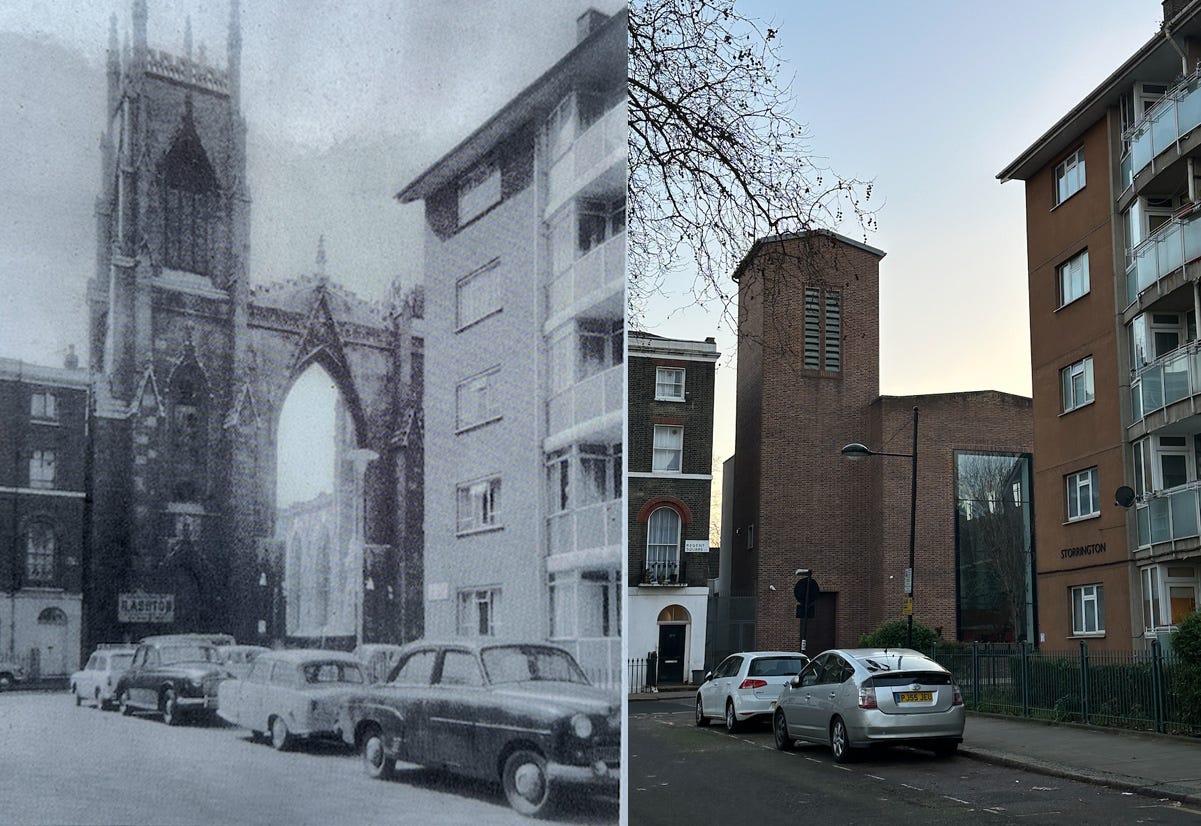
1070 197
1080 297
45 422
1080 519
675 399
477 531
479 320
1088 403
1092 635
477 425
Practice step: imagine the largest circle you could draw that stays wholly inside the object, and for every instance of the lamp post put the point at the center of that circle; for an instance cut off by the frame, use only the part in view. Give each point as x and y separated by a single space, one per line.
359 458
859 451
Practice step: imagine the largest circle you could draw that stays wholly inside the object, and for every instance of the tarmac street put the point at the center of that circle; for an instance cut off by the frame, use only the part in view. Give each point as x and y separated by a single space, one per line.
1008 768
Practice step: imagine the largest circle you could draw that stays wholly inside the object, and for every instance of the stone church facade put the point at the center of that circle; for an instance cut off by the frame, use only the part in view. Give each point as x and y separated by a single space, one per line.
194 365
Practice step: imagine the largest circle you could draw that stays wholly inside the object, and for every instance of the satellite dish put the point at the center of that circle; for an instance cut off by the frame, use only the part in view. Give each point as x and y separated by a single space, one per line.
1124 496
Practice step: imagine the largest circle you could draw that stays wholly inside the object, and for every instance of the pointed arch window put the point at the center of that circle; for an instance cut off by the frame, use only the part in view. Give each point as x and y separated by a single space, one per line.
189 203
189 447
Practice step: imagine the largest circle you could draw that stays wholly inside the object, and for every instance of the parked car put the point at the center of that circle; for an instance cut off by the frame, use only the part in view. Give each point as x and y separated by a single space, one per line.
291 694
859 697
238 658
522 714
97 680
744 686
173 675
379 658
11 673
211 639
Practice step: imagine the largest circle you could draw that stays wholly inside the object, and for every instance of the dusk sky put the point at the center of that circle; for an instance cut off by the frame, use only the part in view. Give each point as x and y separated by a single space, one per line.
930 99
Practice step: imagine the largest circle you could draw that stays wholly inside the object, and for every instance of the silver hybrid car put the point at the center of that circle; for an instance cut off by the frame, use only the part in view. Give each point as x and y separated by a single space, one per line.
854 698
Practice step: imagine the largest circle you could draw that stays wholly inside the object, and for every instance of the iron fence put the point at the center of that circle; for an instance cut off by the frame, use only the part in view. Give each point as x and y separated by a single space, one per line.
643 674
1147 690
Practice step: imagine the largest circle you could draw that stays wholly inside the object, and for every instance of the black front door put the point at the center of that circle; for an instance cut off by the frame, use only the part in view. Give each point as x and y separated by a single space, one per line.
671 653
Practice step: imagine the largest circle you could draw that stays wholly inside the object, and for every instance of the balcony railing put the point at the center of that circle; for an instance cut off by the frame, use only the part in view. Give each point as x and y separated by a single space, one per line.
602 141
589 399
662 573
1177 113
603 268
1168 379
1169 515
593 526
1167 250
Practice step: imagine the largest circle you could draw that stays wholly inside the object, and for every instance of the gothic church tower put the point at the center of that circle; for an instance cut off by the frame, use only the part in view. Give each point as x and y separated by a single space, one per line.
166 306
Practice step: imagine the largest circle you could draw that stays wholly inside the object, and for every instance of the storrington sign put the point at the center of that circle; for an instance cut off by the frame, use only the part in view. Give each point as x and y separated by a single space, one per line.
1082 550
141 607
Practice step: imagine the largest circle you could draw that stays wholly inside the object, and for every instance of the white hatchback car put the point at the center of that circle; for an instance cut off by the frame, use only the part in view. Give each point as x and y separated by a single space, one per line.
745 686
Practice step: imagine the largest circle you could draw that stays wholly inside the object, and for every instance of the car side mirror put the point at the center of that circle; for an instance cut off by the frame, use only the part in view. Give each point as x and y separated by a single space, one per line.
708 677
795 682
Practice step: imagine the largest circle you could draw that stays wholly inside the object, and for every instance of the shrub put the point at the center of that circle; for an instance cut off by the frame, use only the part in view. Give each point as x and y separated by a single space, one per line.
892 634
1186 639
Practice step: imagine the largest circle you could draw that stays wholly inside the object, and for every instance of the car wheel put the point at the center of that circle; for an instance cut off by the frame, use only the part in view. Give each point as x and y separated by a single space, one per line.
281 738
375 759
732 724
170 704
779 730
526 784
123 703
946 748
701 719
96 699
840 742
6 682
78 699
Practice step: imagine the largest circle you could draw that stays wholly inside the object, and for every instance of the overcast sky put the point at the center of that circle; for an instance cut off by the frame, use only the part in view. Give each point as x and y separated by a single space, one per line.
931 99
345 103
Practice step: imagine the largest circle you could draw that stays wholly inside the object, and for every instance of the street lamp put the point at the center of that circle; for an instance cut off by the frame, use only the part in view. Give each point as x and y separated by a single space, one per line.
859 451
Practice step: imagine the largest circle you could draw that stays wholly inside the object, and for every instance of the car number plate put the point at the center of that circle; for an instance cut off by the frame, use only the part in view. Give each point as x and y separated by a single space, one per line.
914 696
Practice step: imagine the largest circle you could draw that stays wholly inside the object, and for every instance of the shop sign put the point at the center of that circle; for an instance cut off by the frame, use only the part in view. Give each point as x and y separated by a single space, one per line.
140 607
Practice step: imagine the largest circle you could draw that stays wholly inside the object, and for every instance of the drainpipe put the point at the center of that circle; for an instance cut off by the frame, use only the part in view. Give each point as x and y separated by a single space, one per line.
1183 57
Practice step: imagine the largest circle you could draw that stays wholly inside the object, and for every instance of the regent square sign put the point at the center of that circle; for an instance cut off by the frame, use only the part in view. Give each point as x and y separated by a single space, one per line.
140 607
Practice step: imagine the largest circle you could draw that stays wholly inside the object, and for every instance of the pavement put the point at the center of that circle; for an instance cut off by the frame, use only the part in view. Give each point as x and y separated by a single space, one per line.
1155 765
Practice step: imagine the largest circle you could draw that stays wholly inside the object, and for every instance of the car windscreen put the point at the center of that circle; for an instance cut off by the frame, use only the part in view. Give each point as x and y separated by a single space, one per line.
333 672
119 662
775 666
911 677
188 654
521 663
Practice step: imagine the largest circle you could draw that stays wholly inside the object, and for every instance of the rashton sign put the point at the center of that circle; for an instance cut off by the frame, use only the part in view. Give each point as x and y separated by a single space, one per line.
141 607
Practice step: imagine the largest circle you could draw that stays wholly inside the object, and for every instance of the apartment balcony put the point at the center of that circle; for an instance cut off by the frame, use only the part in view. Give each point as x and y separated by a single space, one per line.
586 528
1167 250
660 574
1164 125
588 282
1170 516
590 408
595 163
1173 378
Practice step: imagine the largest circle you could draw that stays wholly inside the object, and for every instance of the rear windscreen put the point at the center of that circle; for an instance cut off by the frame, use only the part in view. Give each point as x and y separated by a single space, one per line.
775 666
911 677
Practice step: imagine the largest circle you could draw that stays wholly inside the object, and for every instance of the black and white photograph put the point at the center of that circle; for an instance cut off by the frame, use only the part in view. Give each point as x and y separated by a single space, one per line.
312 381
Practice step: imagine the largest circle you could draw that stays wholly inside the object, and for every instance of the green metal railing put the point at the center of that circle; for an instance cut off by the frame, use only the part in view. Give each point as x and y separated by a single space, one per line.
1147 690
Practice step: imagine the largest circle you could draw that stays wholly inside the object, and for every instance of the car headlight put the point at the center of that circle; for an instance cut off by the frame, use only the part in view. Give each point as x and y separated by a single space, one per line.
581 724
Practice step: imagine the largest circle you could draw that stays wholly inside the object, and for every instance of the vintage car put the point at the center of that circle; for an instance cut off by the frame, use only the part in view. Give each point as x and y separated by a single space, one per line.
174 675
11 673
97 680
238 658
291 694
211 639
522 714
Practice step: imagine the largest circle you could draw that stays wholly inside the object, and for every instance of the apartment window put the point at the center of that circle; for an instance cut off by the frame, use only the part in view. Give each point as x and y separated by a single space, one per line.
477 295
560 128
479 505
41 546
479 190
1084 499
1077 384
663 546
1073 278
44 407
1088 610
585 605
583 475
668 449
1069 176
477 612
669 384
41 469
475 400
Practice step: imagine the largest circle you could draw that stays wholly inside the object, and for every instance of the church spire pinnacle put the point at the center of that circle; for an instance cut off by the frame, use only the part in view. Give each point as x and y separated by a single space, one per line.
187 38
234 51
321 256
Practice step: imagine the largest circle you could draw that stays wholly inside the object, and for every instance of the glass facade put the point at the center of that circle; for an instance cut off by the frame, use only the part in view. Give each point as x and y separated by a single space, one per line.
994 547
